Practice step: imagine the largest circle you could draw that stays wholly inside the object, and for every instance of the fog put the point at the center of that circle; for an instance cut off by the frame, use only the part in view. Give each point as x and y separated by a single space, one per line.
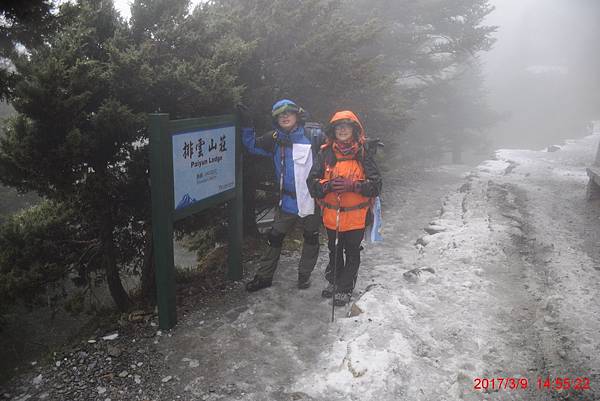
543 70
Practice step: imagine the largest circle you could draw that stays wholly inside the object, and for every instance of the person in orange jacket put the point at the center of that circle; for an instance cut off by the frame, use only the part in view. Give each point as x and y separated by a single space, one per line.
344 180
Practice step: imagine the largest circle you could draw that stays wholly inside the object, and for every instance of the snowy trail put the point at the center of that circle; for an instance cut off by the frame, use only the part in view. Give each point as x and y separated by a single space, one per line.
507 288
514 294
505 285
255 345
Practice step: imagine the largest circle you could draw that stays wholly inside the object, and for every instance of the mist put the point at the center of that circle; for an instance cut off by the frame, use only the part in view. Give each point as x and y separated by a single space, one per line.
542 73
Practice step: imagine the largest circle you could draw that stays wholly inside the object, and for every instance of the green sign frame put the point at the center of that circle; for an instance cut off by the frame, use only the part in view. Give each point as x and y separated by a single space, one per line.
162 130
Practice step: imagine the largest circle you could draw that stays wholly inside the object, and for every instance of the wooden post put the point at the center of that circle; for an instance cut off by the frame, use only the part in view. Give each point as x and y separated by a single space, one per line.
164 135
162 221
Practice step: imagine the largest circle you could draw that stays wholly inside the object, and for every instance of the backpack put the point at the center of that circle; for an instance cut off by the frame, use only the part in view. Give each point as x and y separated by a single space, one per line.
313 131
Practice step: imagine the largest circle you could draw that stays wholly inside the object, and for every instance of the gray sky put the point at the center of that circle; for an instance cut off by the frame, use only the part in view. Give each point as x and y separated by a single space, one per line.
539 70
123 6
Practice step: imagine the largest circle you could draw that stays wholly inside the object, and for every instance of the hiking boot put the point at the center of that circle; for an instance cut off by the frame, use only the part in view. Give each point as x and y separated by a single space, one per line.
341 298
328 291
257 283
303 281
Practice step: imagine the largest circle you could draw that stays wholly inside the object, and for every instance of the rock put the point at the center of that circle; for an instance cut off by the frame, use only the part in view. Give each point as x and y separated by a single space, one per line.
434 229
355 310
139 315
166 379
113 351
123 374
37 380
101 390
424 240
137 379
111 337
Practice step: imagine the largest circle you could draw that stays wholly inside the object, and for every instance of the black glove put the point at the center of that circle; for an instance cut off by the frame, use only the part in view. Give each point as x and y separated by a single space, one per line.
283 139
341 184
327 187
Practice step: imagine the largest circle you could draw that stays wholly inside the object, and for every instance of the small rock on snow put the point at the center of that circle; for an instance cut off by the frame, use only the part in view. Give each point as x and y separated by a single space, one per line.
424 240
435 228
111 337
37 380
355 310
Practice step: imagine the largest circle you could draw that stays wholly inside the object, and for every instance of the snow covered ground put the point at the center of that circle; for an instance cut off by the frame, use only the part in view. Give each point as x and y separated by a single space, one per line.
508 288
486 274
504 285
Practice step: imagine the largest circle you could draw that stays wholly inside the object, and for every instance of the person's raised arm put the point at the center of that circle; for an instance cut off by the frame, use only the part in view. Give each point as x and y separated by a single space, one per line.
262 145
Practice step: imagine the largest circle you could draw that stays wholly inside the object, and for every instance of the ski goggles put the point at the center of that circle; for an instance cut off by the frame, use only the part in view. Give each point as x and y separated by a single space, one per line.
286 108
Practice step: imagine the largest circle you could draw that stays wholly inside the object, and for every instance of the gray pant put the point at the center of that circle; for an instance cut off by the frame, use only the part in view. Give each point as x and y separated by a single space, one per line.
283 223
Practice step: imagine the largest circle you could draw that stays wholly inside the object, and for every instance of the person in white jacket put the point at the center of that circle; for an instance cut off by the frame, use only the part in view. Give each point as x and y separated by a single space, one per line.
292 153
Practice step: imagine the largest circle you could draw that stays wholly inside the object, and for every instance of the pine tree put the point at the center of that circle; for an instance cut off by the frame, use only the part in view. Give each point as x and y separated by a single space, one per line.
308 51
24 23
82 99
427 43
453 115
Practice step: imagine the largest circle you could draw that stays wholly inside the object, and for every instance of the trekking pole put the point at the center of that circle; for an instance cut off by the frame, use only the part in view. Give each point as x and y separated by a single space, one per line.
337 241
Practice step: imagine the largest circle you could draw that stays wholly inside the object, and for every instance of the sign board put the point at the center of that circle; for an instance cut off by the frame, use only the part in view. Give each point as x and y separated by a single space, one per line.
195 164
203 164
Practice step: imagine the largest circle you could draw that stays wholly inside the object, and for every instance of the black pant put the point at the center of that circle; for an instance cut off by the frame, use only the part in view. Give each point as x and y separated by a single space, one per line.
345 273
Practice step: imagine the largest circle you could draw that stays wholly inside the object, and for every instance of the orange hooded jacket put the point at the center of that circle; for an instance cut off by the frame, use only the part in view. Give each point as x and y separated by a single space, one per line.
353 206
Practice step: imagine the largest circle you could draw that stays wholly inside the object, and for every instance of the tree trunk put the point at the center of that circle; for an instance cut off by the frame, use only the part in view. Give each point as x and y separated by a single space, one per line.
115 286
149 271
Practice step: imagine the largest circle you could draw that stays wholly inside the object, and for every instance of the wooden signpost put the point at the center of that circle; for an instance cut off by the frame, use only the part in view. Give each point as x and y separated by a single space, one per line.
195 164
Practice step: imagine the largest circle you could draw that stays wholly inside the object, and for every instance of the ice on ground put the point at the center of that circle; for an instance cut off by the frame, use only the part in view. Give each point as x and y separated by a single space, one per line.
513 286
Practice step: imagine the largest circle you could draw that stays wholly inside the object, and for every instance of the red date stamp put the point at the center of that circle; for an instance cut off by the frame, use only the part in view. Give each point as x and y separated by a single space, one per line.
541 383
500 383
